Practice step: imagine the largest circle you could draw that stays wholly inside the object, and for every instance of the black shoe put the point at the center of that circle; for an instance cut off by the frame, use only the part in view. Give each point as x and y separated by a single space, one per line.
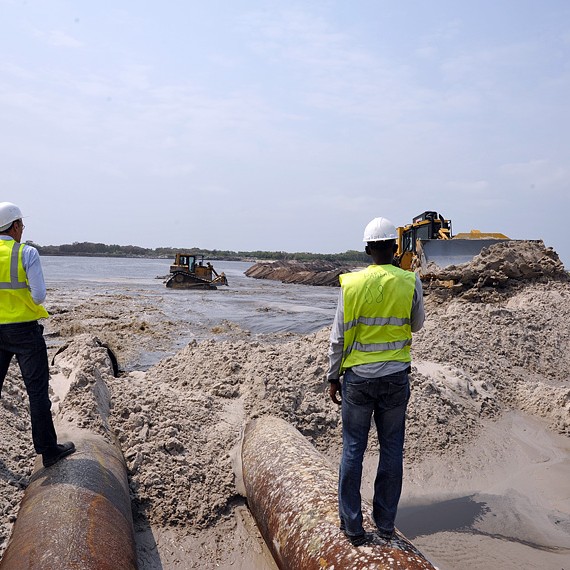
61 451
359 540
385 534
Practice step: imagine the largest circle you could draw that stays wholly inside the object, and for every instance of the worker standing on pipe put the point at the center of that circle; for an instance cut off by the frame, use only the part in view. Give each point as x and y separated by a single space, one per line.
378 309
22 290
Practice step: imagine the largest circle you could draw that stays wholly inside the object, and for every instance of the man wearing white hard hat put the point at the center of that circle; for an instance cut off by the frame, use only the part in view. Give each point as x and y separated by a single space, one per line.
378 309
22 292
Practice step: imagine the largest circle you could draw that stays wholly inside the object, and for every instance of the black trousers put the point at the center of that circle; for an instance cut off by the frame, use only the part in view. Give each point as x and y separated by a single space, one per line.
26 341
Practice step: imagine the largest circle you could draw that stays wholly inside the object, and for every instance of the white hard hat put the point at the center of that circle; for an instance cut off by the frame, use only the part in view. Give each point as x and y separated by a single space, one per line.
8 213
380 229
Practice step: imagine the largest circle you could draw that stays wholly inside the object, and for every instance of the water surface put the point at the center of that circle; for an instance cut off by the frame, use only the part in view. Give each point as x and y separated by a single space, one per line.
260 306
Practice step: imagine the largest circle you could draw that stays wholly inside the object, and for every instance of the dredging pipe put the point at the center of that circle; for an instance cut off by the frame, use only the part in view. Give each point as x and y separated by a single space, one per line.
75 515
292 493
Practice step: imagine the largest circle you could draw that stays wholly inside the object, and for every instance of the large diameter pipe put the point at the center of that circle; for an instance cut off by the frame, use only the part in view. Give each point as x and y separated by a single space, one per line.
292 493
76 515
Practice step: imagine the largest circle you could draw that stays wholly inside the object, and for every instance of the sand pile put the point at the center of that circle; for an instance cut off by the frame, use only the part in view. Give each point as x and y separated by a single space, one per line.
189 415
191 408
518 349
498 267
179 422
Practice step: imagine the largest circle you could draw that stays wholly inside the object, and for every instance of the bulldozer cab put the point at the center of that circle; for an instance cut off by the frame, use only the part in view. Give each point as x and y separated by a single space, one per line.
428 225
184 262
191 263
428 239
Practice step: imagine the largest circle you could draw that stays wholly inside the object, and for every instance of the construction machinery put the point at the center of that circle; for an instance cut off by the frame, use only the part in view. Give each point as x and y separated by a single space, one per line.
429 240
189 272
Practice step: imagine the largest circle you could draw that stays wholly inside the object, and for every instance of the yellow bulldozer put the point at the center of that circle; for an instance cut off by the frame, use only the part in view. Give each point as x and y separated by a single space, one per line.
189 272
429 240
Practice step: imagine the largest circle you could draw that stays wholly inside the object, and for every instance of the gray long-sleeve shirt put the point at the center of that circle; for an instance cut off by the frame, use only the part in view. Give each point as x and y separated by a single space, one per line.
373 369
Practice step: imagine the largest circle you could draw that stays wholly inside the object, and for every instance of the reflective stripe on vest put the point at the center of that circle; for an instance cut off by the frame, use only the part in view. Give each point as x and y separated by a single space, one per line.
397 345
16 302
376 321
377 311
14 258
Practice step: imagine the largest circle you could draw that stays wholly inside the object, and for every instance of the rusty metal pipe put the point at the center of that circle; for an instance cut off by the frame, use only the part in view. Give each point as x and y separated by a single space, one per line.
292 493
76 515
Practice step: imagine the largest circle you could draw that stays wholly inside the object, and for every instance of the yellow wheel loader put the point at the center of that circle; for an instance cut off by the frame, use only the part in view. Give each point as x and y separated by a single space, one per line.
429 240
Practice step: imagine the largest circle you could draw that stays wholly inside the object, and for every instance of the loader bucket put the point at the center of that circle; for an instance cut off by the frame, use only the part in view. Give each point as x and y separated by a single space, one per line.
446 252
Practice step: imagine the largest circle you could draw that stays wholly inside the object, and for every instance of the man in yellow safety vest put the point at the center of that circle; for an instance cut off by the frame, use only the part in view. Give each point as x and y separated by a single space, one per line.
378 309
22 290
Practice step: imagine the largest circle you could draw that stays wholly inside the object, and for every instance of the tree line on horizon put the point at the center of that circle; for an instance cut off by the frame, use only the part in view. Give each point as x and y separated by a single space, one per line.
89 249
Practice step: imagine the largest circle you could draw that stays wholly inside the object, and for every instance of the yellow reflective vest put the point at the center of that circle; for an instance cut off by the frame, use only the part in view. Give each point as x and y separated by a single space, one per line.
377 311
16 303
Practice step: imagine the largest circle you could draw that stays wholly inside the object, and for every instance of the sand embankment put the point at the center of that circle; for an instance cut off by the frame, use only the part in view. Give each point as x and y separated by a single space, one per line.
497 267
488 425
301 272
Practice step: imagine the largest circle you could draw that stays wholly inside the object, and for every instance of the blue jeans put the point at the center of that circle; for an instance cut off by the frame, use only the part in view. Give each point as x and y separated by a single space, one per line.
385 398
26 341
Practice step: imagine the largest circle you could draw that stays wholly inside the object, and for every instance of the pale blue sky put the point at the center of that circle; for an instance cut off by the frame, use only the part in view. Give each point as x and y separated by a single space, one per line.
258 124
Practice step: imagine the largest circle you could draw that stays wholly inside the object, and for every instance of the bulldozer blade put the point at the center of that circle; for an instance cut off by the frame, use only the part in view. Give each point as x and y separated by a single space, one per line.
444 253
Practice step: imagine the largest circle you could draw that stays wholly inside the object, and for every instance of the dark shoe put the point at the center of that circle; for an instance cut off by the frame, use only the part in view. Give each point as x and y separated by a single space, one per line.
359 540
385 534
61 451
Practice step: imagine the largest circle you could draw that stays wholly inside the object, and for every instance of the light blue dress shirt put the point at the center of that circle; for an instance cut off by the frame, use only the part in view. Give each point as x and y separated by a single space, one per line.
33 269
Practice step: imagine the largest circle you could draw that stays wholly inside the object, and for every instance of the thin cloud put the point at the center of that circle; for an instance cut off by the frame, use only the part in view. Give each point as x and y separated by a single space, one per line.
59 38
304 39
538 174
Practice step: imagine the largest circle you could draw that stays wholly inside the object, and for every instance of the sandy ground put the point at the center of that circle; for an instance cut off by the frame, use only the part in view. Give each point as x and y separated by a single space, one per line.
487 452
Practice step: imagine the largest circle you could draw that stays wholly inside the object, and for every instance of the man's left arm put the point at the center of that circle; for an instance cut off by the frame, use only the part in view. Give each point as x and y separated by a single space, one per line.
336 350
418 315
34 273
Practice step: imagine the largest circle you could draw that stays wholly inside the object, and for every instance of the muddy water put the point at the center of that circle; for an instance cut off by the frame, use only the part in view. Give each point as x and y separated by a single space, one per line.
259 306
